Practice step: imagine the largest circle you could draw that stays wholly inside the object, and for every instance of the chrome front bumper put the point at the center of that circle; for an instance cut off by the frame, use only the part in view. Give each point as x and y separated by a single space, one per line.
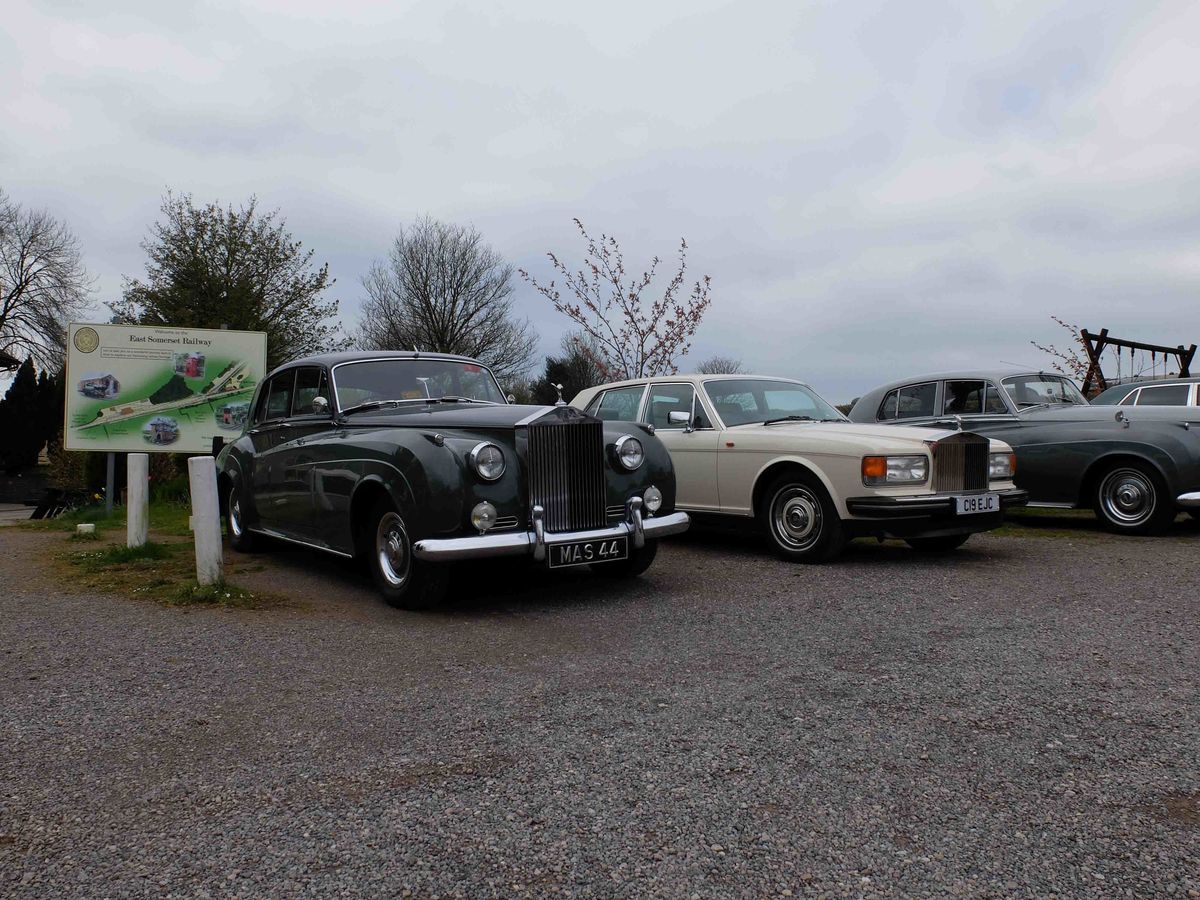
534 541
1189 500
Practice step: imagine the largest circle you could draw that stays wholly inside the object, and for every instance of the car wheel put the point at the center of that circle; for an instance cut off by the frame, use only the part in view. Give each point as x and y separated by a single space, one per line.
1131 498
637 563
800 520
240 539
405 581
941 544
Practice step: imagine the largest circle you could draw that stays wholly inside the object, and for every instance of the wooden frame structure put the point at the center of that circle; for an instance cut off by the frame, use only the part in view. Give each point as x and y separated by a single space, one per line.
1095 344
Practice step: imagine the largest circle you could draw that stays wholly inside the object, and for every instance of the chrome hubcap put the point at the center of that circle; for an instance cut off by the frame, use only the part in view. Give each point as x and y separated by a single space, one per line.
796 517
1127 496
235 513
391 549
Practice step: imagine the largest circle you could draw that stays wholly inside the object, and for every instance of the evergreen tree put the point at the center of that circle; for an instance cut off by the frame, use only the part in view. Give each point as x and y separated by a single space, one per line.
19 420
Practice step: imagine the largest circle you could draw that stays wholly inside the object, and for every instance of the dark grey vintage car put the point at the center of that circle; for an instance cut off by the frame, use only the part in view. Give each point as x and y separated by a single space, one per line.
1137 467
409 461
1156 392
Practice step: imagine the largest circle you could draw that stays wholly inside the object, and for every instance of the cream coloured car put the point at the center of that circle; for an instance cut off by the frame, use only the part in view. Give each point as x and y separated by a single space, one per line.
771 451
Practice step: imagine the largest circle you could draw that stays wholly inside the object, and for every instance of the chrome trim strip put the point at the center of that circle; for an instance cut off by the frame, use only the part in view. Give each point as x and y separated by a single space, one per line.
1045 504
1190 499
534 416
291 540
526 543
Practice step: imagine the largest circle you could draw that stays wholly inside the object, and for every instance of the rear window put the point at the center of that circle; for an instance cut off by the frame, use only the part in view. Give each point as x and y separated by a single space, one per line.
1164 395
914 401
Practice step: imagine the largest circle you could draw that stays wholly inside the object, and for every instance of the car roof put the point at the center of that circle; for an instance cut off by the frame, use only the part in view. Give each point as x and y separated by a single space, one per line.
333 359
693 377
994 374
1127 386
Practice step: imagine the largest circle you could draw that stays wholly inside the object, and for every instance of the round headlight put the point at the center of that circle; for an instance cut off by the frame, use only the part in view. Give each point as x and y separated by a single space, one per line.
629 452
488 461
653 499
483 516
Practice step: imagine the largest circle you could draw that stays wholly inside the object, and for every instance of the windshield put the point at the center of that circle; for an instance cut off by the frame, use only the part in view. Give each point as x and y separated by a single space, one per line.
1033 390
407 379
740 401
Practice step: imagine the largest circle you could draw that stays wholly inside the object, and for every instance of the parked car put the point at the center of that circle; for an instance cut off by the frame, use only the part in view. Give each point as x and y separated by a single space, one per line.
1135 467
413 461
1156 392
751 449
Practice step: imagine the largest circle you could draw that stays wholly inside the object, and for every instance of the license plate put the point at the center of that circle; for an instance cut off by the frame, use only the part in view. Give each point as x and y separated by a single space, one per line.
977 503
580 553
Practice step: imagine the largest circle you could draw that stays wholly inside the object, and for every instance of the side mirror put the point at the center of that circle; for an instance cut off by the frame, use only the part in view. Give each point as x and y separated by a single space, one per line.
679 417
320 406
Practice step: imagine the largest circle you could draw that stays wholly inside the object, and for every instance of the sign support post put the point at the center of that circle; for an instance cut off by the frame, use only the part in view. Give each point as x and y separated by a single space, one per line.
110 484
206 520
137 503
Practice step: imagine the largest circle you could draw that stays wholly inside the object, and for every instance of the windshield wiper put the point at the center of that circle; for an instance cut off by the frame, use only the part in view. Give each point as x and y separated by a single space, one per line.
372 404
790 419
451 398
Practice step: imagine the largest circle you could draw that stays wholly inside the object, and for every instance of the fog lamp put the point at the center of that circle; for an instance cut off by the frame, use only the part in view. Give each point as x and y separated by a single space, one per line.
483 516
652 499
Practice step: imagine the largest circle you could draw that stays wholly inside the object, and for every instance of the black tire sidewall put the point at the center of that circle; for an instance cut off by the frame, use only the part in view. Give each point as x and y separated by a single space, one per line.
639 561
244 542
1164 510
426 584
832 537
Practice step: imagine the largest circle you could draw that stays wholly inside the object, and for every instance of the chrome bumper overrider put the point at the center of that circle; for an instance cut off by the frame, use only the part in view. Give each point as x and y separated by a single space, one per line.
534 542
1189 500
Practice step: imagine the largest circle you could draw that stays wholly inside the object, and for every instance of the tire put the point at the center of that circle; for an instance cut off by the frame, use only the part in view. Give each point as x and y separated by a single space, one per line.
1131 498
404 581
637 563
942 544
240 539
800 521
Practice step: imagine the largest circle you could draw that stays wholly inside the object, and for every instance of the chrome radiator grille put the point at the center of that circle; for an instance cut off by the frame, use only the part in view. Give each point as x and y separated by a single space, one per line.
960 463
566 474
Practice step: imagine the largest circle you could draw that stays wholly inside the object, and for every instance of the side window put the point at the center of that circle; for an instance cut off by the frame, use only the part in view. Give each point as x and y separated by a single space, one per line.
1129 399
279 396
1165 395
992 401
910 402
310 383
963 398
666 399
620 404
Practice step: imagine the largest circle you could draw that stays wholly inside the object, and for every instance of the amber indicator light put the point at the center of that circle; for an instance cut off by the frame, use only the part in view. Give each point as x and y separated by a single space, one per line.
874 467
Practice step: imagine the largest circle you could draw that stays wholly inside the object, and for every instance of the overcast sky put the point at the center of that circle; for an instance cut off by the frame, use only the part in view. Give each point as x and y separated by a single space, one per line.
876 189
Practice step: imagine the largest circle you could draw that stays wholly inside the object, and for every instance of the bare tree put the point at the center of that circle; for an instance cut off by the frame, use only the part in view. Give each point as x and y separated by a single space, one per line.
443 289
1071 360
635 338
43 283
721 365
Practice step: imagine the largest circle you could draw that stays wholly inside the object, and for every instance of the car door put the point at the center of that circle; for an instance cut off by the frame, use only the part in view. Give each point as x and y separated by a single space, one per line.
300 454
686 429
268 434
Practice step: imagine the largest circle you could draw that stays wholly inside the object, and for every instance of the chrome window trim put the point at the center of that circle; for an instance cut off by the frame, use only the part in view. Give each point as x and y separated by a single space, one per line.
712 406
643 412
645 386
337 408
939 392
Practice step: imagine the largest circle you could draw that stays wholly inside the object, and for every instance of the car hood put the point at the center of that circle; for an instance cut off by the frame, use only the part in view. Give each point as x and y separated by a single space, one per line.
844 437
450 415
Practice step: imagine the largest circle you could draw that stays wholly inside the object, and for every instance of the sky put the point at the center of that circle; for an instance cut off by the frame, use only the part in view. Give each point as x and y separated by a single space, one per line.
875 189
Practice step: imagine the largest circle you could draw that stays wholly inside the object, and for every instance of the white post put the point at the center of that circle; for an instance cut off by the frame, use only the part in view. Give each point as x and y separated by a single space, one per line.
206 521
137 505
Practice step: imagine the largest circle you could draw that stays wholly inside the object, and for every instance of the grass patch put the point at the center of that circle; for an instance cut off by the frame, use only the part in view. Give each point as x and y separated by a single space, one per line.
220 594
163 571
166 517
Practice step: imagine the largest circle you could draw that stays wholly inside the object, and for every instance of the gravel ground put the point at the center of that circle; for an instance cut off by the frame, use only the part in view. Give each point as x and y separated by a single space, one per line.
1018 719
